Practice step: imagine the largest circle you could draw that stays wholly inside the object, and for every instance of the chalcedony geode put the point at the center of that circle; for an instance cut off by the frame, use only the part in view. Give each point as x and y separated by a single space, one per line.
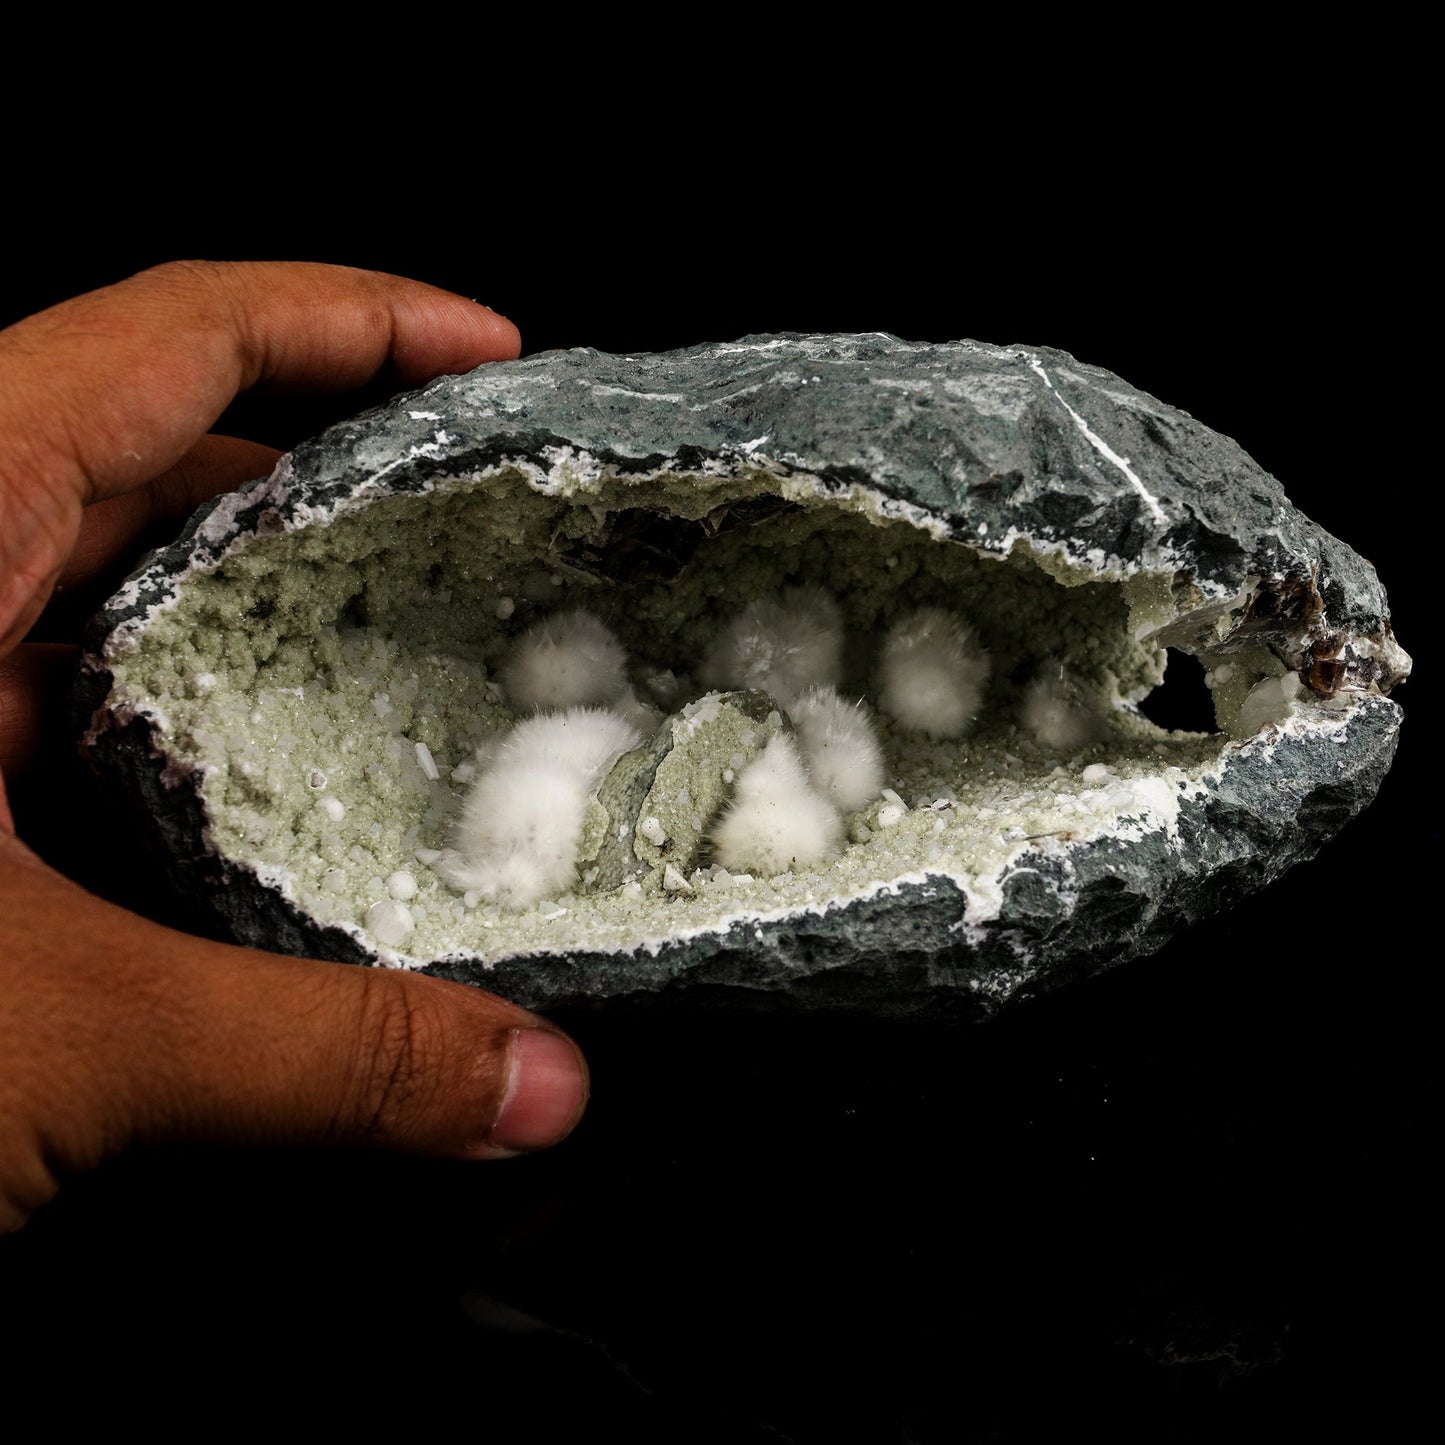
279 686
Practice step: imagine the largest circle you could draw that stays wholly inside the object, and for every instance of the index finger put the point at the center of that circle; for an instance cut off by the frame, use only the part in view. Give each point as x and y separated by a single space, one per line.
102 393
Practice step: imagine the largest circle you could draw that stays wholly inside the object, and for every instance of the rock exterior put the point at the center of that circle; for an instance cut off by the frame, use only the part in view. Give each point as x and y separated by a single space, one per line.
981 445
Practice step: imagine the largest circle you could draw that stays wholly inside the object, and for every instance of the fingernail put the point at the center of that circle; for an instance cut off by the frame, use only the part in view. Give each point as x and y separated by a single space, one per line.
546 1090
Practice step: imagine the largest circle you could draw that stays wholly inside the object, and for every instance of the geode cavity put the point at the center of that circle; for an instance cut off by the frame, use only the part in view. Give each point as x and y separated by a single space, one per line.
280 685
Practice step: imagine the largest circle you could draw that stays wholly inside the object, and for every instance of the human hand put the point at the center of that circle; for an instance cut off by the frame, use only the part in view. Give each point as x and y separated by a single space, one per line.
113 1028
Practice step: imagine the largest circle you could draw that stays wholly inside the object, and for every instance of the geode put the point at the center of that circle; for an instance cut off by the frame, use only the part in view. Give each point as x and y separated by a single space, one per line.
296 689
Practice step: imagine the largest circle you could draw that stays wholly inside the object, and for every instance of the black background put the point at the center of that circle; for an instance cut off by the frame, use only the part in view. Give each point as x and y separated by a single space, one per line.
1184 1201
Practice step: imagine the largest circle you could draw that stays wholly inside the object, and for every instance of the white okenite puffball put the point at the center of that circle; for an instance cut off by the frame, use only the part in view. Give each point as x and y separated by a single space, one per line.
776 820
517 839
1056 711
569 660
932 673
781 645
521 824
582 741
839 747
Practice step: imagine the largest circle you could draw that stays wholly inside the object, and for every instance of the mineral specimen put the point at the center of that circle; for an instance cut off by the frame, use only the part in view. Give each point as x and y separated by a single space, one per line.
348 618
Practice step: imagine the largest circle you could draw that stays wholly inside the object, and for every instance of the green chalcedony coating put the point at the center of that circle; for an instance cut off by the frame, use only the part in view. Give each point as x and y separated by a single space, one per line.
356 604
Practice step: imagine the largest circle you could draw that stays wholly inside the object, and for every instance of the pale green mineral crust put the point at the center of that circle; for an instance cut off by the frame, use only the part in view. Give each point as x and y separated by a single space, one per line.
300 688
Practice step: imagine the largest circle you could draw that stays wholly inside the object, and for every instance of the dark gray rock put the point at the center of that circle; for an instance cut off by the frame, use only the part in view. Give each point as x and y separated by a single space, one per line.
989 445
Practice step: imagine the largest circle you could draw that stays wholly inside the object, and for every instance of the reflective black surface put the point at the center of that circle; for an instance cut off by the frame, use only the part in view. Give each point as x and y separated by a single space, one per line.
1187 1197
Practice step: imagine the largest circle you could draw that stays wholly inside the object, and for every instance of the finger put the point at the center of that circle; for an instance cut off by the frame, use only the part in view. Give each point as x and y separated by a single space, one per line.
114 530
116 1029
101 393
35 681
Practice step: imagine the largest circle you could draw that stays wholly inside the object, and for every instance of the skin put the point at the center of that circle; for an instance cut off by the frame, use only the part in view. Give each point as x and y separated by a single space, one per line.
113 1029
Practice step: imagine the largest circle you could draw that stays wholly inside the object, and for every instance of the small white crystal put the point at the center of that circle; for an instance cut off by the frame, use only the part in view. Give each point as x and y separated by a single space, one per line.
401 884
390 922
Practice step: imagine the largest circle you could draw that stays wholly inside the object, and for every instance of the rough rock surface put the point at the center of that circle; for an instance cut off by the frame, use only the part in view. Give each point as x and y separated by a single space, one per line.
982 444
730 718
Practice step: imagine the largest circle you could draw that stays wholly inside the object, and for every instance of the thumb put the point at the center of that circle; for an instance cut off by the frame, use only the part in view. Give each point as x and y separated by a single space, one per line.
114 1028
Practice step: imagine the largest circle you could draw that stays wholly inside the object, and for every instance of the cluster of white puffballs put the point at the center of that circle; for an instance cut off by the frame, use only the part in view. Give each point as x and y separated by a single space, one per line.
520 830
516 842
788 804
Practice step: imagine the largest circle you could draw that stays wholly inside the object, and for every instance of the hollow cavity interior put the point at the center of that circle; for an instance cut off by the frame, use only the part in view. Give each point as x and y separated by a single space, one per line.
333 684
